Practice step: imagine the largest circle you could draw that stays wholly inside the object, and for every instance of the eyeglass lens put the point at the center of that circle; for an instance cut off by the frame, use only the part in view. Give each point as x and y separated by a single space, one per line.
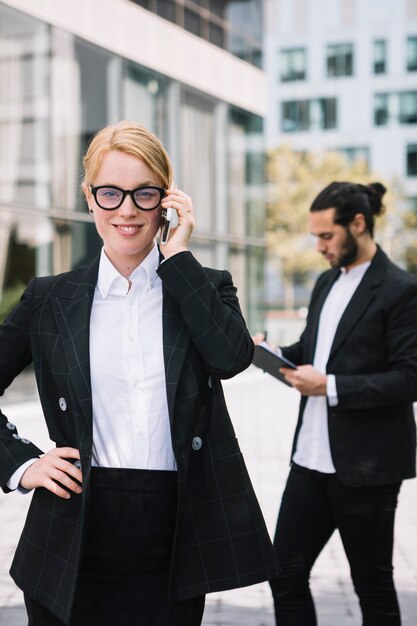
112 197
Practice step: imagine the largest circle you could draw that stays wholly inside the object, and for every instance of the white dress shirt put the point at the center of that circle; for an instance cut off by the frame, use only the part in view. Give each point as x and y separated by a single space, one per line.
131 426
313 447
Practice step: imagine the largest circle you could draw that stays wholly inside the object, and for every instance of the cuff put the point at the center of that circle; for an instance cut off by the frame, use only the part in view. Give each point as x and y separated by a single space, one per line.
14 480
331 390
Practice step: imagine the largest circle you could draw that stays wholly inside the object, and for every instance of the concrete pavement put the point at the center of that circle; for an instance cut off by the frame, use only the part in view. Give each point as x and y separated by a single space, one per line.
264 413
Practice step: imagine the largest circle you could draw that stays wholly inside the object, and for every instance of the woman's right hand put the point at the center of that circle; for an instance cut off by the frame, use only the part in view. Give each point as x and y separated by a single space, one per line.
54 472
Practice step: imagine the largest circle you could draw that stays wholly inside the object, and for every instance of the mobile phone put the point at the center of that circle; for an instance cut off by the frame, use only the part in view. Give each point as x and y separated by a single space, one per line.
169 219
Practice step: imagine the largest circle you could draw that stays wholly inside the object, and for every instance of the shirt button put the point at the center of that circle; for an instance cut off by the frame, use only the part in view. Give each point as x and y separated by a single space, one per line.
131 339
10 426
197 443
62 404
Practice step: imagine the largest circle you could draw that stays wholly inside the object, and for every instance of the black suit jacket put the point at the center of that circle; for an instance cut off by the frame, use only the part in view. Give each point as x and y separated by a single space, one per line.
374 358
221 539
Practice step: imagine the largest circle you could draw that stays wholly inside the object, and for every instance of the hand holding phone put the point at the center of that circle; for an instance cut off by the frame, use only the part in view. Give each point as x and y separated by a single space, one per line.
169 220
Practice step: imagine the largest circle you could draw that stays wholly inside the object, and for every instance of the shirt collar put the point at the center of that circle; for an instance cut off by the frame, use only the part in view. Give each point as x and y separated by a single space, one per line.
357 271
110 280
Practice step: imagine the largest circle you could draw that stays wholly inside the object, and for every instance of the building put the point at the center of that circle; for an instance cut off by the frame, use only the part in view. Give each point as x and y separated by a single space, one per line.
187 69
342 76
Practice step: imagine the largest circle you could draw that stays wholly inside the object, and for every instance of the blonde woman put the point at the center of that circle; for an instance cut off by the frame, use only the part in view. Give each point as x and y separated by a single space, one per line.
144 505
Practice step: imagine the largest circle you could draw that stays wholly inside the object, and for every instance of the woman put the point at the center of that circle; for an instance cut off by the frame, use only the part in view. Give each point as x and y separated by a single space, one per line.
144 505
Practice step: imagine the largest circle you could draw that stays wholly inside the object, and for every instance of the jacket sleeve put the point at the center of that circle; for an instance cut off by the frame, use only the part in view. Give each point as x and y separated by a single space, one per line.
295 352
397 381
211 310
15 355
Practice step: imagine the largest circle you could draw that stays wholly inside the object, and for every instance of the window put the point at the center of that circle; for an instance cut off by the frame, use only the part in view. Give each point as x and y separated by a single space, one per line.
166 9
408 107
412 159
400 107
355 154
293 64
327 113
295 116
300 115
192 22
412 54
381 109
380 56
340 60
198 141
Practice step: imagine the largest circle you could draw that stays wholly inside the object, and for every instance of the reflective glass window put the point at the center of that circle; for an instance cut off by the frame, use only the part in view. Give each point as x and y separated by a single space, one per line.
25 110
293 64
145 98
412 160
246 174
408 107
412 54
197 140
339 58
380 56
381 111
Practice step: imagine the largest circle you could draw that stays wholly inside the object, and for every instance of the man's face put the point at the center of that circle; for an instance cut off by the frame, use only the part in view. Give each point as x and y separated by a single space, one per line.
336 243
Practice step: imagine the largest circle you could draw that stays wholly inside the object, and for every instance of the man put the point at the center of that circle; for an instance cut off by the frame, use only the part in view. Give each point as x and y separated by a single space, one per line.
356 437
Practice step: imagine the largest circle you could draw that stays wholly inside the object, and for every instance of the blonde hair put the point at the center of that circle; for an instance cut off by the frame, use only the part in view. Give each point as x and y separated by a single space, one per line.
131 138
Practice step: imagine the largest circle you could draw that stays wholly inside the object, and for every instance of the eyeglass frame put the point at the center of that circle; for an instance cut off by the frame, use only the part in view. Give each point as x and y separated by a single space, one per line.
127 192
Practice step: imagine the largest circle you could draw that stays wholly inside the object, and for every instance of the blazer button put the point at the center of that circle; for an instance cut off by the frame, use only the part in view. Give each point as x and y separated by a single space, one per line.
10 426
77 464
62 404
16 436
197 443
26 441
210 381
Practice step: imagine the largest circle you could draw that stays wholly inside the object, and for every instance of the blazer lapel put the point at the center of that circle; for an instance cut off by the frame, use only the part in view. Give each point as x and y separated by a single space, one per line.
72 308
360 300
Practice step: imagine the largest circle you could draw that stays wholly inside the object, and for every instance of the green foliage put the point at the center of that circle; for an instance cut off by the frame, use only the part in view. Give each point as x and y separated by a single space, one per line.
9 299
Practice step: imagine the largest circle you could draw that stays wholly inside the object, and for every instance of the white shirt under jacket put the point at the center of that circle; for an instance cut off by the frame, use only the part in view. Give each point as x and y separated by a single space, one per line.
131 426
313 447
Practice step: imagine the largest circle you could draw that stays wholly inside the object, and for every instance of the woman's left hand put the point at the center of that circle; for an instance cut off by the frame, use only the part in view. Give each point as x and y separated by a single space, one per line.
179 237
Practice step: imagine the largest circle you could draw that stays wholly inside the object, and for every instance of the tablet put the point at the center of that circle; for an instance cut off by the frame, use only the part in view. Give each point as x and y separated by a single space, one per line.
270 361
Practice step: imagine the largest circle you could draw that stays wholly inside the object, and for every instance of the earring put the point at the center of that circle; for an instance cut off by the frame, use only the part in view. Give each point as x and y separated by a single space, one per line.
91 211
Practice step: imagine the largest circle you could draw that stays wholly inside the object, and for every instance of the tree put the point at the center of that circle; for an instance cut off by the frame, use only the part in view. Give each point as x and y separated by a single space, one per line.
294 179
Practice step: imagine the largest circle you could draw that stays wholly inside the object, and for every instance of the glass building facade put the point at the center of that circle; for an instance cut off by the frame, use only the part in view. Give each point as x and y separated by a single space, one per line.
57 90
234 25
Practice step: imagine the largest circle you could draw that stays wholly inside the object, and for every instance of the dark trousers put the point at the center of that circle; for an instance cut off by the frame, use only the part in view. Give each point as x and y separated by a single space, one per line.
126 561
313 506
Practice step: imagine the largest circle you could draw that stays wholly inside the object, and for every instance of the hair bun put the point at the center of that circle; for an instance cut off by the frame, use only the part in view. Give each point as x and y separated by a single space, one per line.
375 193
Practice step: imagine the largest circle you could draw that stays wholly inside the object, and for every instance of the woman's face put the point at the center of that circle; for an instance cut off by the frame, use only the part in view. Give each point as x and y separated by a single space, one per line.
127 232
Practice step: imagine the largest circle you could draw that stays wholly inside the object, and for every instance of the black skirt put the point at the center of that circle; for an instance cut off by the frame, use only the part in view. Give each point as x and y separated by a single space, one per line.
126 560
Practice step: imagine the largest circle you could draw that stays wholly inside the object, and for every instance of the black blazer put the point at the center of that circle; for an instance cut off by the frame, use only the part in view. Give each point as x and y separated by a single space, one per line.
221 540
374 358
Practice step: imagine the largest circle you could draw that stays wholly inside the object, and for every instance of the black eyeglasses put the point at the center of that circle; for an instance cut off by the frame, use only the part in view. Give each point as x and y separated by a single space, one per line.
144 198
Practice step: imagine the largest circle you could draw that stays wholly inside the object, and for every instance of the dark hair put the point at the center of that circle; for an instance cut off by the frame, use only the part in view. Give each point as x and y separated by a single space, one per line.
349 199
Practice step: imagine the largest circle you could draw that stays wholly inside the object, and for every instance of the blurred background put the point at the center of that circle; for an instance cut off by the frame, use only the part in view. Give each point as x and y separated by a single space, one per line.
259 103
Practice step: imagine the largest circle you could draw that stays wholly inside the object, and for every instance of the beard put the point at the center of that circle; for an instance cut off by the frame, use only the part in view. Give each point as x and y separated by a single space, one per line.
348 253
